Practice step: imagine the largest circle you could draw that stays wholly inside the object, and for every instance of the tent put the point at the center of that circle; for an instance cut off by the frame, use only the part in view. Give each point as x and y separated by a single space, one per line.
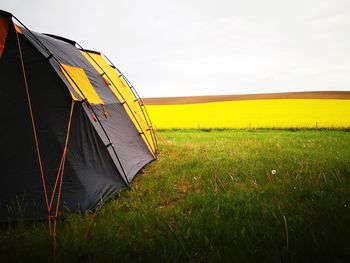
74 131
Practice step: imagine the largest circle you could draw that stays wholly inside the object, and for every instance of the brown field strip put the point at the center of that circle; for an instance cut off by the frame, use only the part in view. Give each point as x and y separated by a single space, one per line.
341 95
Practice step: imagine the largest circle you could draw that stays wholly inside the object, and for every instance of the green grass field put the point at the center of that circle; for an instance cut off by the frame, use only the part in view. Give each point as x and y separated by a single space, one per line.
212 197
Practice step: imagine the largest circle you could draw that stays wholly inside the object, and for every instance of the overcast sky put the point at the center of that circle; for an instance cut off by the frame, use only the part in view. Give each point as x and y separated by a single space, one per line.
204 47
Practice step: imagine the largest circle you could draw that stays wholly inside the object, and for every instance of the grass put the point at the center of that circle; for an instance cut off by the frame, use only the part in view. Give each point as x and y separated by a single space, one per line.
212 197
273 113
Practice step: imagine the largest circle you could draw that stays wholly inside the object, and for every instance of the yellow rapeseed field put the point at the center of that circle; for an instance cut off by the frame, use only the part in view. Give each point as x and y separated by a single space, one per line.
276 113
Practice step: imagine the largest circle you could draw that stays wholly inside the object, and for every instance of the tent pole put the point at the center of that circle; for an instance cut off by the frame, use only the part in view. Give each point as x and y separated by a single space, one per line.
132 113
142 105
143 108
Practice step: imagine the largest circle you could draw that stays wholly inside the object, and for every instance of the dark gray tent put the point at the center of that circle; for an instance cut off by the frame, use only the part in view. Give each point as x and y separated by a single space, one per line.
74 131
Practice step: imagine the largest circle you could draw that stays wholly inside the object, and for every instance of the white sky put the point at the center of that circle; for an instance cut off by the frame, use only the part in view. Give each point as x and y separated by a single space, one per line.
203 47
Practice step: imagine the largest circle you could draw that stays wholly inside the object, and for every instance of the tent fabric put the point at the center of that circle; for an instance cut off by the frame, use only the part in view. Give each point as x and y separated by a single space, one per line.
105 148
123 92
81 84
4 25
69 55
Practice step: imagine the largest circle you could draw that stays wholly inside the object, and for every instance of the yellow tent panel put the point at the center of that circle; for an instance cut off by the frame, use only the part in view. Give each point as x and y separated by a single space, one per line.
81 84
123 92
